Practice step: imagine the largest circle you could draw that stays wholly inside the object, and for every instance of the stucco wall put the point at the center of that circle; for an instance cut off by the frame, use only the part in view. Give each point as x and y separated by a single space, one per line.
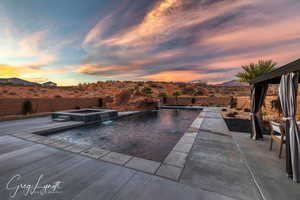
15 106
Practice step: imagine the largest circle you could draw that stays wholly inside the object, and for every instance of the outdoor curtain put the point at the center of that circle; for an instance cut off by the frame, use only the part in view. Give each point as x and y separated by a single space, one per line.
288 90
258 94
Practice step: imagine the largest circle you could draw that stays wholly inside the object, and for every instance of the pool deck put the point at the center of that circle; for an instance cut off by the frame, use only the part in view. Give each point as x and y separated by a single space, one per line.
221 165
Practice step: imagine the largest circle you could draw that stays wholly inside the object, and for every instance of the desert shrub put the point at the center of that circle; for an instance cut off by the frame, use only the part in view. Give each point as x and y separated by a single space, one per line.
164 100
247 110
57 96
201 92
231 114
224 110
201 84
77 107
147 90
181 85
176 94
123 97
193 100
27 107
100 102
12 93
108 99
233 102
162 94
153 85
188 91
5 91
130 89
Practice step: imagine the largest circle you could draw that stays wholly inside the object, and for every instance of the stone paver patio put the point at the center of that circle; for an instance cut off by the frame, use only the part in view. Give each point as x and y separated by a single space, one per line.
210 163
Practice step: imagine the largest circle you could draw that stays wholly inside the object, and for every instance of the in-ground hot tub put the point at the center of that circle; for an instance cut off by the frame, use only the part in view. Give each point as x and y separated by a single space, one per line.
87 115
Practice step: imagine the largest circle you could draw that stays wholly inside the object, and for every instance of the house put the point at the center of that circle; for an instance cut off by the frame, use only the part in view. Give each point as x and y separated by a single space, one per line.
49 84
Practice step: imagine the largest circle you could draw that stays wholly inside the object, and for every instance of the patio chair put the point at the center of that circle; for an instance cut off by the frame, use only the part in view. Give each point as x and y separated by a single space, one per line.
277 135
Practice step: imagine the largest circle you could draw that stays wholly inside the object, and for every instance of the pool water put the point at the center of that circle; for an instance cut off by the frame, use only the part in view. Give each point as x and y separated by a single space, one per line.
150 135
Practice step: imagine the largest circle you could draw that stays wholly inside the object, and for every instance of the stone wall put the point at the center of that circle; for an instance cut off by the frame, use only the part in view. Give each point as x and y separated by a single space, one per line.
39 105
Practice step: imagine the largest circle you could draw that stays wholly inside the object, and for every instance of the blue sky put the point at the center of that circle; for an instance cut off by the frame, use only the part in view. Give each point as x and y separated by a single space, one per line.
71 42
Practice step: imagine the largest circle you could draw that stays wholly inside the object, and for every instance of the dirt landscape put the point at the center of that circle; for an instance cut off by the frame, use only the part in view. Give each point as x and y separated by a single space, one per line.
113 88
129 95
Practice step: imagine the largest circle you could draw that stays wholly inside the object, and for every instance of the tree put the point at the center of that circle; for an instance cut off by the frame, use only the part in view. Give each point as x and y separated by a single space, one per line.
147 90
254 70
188 90
27 107
162 94
176 94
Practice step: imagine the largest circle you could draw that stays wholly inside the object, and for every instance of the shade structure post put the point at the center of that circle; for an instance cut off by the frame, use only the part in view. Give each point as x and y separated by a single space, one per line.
258 94
288 90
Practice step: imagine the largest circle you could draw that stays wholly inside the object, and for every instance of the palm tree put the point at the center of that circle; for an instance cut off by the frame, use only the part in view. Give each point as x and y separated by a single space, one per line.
255 69
176 95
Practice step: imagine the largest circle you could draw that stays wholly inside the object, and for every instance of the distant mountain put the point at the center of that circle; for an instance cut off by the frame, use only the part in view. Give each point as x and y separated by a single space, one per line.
16 81
233 83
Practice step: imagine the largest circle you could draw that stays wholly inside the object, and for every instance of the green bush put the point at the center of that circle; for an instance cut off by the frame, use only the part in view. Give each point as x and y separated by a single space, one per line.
233 102
188 91
162 94
247 110
193 100
147 90
27 107
100 102
231 114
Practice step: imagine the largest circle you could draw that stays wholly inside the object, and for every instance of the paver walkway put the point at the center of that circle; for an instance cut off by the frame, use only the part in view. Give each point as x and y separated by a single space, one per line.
267 169
232 164
222 165
215 163
82 177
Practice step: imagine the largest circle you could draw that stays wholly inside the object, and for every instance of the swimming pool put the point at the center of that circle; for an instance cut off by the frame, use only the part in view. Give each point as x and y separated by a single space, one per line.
150 135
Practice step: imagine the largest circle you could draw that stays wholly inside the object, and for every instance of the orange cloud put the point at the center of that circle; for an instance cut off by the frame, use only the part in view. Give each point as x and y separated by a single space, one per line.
94 68
26 49
97 30
184 76
256 36
164 20
31 72
281 54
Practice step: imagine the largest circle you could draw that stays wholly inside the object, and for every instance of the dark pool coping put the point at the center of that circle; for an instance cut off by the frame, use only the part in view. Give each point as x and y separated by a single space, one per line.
171 168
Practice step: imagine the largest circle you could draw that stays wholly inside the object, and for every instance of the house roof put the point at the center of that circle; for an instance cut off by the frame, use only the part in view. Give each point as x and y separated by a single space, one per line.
274 76
49 83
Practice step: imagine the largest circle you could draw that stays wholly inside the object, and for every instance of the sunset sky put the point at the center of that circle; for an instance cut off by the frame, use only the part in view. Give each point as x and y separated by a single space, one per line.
77 41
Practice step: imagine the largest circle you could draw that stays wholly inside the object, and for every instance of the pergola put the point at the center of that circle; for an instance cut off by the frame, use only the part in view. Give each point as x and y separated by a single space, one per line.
287 77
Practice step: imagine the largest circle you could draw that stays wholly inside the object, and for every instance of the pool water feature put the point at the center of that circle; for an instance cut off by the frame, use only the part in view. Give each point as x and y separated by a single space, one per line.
150 135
